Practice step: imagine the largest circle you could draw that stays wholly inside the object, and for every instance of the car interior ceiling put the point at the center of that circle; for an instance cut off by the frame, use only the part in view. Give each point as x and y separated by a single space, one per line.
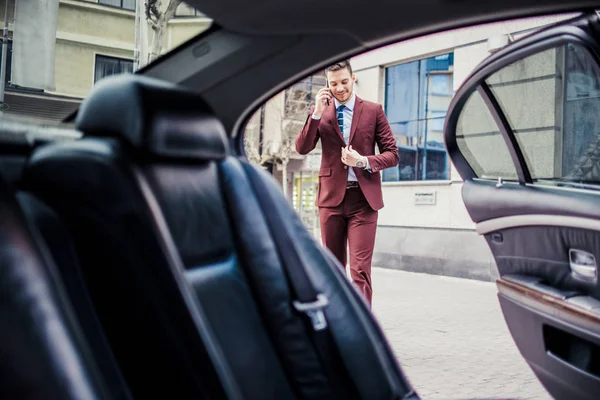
130 269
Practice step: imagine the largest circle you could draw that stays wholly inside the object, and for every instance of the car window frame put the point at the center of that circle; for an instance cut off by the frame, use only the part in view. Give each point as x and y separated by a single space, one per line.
572 31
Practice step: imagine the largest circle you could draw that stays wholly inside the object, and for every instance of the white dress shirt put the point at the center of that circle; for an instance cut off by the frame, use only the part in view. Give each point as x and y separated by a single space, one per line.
348 114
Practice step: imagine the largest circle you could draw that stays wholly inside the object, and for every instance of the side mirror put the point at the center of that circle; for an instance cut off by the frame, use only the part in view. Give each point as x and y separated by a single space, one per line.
531 112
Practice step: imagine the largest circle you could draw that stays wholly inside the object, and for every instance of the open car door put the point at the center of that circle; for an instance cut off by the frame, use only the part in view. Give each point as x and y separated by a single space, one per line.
524 133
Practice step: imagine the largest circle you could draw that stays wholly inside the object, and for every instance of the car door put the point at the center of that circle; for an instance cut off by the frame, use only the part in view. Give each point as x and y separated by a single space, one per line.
523 131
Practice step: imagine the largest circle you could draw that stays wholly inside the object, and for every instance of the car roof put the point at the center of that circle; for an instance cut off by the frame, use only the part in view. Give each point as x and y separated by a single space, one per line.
252 52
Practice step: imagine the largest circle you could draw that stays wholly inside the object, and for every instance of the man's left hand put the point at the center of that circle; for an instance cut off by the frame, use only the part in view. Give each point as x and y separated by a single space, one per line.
350 156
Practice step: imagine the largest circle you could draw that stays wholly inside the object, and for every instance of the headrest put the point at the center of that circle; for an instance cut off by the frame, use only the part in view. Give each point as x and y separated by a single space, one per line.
153 116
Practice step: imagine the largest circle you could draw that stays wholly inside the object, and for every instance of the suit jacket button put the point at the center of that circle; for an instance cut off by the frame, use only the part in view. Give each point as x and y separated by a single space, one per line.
345 167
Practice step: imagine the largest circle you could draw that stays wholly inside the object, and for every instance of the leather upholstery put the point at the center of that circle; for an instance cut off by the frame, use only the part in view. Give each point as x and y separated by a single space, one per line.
485 201
152 322
546 257
266 276
538 285
372 367
56 237
42 354
185 272
153 117
191 201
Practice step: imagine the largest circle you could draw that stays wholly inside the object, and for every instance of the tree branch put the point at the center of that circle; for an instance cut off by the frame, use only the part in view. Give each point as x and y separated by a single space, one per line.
159 24
170 11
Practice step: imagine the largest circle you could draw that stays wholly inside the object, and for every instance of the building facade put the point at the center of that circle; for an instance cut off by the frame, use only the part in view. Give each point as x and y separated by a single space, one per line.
94 39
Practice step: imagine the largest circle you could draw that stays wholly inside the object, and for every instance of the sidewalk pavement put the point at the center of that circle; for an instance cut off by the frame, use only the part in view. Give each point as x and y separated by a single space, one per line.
450 337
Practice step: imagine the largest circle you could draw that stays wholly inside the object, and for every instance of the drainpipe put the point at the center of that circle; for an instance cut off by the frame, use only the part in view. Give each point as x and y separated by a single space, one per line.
260 131
136 46
4 56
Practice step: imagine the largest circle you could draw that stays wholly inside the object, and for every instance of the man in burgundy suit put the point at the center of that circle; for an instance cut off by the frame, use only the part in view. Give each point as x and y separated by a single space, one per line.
349 194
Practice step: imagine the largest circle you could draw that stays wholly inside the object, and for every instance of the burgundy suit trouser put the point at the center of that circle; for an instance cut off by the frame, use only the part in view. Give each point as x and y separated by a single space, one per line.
352 222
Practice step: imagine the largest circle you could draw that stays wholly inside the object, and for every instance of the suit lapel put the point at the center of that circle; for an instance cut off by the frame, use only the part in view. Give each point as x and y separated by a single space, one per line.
358 106
330 115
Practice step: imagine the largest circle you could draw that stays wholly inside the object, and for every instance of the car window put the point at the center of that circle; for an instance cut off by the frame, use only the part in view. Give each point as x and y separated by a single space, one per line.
58 50
481 142
413 81
552 103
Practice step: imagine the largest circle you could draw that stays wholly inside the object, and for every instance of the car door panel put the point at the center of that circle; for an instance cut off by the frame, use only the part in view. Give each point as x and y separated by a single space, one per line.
553 316
546 257
538 212
486 201
560 341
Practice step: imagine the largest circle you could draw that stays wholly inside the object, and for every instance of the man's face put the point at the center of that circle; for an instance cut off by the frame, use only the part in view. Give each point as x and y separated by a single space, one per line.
341 84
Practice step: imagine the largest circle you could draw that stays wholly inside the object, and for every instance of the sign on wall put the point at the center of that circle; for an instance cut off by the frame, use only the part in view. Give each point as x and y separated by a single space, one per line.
425 197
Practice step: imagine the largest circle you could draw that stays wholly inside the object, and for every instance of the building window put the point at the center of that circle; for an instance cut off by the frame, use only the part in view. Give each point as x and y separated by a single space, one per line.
126 4
8 61
300 95
417 97
186 11
437 120
441 84
106 66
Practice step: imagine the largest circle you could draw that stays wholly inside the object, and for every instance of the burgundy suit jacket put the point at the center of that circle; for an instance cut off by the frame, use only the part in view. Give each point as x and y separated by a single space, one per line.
370 127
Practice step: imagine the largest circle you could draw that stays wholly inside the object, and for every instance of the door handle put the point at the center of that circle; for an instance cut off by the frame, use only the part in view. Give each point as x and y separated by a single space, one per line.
583 265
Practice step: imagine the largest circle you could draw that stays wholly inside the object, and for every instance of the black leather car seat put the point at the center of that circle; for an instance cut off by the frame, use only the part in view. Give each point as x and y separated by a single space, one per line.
44 353
56 238
186 251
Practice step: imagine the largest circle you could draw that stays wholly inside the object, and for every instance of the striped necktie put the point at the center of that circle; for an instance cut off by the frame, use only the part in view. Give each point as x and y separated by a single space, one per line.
340 117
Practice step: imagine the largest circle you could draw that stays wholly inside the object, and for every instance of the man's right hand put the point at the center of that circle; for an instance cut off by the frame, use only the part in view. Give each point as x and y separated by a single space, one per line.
321 101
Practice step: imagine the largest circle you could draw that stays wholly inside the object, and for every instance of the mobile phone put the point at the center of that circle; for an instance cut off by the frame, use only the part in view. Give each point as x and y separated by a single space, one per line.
327 86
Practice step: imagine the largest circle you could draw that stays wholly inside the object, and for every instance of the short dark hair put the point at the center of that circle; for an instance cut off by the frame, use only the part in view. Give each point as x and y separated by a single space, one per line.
338 66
